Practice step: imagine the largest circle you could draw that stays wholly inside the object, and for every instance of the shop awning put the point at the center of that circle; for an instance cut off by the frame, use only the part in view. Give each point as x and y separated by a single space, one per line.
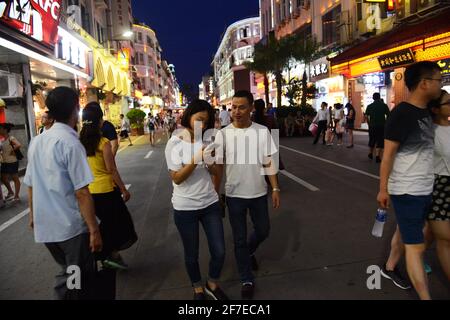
407 34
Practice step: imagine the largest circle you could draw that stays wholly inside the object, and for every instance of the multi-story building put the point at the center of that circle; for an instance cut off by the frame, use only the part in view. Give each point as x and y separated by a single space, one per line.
41 49
154 77
236 48
357 33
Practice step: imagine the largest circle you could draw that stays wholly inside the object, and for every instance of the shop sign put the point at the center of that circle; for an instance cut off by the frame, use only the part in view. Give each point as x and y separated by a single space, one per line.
375 79
445 66
124 58
38 19
70 49
396 59
320 68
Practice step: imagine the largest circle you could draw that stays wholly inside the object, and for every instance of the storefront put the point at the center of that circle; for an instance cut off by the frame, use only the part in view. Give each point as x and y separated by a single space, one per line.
378 64
330 88
28 42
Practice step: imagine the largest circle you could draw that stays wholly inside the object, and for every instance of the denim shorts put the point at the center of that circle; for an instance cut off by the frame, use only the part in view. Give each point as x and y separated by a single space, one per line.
411 212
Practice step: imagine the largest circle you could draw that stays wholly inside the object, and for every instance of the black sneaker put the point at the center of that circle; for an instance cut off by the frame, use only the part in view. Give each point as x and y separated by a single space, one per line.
216 294
378 160
370 156
247 291
199 296
254 263
396 277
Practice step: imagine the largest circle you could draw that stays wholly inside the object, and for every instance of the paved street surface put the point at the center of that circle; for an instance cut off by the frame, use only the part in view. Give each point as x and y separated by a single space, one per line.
320 245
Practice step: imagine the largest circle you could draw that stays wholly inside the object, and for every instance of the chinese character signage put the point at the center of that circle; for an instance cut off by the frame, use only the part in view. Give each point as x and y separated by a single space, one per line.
319 69
38 19
375 79
445 65
396 59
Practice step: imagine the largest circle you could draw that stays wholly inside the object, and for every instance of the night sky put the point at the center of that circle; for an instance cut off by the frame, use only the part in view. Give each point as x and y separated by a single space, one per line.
189 32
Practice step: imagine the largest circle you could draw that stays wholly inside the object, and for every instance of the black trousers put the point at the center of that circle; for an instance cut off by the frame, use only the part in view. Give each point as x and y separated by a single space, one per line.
74 252
322 128
97 283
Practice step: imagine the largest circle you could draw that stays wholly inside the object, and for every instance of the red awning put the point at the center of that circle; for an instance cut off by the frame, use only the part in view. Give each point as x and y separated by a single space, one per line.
400 35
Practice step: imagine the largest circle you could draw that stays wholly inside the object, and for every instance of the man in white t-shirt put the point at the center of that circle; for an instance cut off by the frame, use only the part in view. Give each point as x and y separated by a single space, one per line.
224 117
248 148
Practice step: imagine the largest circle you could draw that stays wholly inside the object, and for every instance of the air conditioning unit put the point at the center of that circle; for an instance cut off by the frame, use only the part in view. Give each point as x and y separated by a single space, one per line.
10 85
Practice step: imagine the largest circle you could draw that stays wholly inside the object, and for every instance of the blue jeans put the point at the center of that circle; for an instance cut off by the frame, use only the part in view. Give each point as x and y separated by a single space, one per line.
187 223
243 248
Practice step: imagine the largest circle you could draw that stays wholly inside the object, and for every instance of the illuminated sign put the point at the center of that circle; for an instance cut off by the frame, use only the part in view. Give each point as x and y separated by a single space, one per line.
138 94
445 66
319 68
38 19
396 59
70 49
375 79
124 58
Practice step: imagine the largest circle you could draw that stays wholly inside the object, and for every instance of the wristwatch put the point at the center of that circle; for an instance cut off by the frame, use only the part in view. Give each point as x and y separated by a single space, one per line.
276 190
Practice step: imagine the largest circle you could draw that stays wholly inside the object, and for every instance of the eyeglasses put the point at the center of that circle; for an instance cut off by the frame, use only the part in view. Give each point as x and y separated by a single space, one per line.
440 80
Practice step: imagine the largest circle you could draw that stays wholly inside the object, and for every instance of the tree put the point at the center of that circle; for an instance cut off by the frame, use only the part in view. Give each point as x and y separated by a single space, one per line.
305 51
273 57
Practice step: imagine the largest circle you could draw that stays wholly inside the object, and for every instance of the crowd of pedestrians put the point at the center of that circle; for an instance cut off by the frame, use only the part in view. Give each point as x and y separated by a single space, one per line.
78 199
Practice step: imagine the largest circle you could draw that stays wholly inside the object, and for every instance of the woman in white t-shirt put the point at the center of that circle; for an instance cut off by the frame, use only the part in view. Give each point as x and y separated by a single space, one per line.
439 216
195 199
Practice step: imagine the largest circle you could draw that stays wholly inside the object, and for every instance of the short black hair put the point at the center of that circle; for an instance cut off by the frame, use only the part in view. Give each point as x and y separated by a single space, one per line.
224 107
376 96
418 71
122 115
95 105
245 94
259 103
7 126
197 106
61 103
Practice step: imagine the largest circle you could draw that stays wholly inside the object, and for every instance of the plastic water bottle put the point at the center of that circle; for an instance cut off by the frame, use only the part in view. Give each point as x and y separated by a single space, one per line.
380 220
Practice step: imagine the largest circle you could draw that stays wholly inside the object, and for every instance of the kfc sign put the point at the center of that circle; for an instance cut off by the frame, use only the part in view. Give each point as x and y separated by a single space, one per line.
37 19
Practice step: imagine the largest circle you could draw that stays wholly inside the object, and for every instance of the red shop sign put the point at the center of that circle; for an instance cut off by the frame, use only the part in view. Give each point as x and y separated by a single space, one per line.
38 19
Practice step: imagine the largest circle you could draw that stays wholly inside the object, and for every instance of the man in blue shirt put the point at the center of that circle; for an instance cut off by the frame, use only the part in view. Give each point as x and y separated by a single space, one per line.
62 211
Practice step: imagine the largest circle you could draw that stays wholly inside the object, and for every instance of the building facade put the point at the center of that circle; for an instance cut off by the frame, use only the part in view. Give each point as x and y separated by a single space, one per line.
236 48
355 32
60 45
154 77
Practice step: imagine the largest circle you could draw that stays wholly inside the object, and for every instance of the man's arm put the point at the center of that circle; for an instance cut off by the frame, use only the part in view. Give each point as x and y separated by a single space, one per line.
275 191
390 150
87 209
30 204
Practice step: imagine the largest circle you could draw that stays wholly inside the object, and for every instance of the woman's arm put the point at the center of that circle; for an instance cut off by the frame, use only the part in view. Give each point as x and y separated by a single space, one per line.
178 177
15 144
112 169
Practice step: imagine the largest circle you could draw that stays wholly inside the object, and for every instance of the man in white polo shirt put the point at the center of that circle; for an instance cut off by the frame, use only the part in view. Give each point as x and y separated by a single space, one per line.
62 211
248 149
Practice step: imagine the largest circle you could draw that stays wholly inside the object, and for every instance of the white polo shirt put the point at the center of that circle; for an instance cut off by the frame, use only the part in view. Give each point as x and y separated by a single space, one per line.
57 167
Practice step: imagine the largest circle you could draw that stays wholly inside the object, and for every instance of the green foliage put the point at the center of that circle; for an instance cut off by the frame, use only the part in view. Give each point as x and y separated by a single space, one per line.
136 117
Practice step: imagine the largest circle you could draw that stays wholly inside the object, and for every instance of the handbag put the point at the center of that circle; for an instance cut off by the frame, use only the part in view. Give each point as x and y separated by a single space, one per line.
313 128
18 153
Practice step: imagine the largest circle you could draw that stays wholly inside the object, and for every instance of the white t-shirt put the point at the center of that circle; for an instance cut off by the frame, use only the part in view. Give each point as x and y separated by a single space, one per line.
244 159
196 192
224 117
442 151
338 114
